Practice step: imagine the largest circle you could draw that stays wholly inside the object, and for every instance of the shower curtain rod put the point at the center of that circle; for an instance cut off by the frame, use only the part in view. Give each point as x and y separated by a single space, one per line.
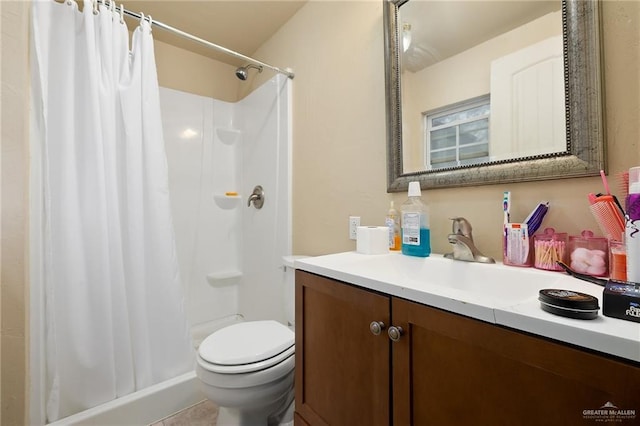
204 42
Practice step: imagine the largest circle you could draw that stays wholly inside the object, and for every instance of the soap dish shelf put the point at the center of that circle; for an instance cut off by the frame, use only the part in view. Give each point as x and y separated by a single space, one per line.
228 136
226 201
221 279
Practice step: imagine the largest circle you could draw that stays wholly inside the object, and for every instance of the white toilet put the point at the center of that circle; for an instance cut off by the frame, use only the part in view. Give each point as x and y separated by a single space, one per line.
247 368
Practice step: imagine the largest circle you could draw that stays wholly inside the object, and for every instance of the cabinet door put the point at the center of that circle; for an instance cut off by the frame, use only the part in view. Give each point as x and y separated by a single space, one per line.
453 370
342 369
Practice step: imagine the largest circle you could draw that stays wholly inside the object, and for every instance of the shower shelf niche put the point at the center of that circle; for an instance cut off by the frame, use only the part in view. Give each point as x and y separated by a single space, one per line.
228 136
225 201
220 279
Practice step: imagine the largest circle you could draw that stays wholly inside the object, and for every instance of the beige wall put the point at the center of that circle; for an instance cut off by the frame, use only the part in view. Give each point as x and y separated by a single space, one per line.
335 49
182 70
14 276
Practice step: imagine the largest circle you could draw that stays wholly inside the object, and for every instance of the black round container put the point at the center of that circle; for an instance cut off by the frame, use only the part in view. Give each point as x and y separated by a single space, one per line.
569 303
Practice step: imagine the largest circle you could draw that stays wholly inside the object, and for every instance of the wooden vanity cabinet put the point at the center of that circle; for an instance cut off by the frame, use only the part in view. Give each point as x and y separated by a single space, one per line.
452 370
342 370
446 369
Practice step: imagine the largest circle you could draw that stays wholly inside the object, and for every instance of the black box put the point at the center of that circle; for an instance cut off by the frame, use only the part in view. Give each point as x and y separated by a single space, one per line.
621 300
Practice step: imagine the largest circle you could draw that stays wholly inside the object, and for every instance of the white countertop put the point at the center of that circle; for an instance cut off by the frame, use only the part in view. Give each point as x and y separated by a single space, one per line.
494 293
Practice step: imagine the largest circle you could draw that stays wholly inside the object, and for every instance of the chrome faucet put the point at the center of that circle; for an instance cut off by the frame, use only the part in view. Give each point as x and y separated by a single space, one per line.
463 245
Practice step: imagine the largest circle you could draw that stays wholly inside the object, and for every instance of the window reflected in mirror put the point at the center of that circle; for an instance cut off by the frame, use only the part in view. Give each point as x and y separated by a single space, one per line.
458 134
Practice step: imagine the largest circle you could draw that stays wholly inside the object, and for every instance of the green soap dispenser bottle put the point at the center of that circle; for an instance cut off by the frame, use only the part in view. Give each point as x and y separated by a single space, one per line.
414 222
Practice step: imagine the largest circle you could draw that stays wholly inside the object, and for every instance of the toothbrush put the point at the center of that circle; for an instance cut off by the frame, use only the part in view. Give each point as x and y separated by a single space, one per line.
506 205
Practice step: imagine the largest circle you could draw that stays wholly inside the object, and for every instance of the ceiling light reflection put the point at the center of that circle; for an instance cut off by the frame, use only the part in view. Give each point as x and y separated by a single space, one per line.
188 133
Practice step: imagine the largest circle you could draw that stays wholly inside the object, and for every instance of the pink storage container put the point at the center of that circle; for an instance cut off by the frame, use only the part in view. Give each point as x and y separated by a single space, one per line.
589 254
549 247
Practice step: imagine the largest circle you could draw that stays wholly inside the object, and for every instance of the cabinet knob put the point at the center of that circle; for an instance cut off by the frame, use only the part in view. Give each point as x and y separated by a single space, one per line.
395 333
376 327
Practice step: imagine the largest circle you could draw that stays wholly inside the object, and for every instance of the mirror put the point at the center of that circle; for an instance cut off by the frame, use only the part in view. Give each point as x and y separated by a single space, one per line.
578 131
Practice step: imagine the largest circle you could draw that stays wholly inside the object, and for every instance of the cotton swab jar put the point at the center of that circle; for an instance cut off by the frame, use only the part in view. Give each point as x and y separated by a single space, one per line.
589 254
549 247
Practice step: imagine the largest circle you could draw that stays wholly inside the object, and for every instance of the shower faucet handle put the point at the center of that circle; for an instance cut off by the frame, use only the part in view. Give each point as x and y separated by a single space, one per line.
256 197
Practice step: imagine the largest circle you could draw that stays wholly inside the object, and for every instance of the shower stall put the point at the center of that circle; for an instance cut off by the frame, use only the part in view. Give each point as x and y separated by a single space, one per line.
230 253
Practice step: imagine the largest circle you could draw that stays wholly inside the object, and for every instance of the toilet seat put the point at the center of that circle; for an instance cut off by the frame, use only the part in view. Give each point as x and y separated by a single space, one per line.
246 347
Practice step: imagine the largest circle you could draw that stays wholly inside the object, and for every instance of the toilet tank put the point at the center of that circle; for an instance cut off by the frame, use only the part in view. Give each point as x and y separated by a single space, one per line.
288 264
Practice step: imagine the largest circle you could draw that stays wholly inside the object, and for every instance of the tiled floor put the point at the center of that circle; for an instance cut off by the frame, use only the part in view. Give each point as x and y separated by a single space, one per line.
204 413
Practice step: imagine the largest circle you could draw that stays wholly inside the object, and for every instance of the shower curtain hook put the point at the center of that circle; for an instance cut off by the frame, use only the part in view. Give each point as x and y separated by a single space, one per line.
150 23
141 18
121 13
95 6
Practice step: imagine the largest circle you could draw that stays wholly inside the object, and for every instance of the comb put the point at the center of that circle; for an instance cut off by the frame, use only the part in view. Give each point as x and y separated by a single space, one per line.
607 215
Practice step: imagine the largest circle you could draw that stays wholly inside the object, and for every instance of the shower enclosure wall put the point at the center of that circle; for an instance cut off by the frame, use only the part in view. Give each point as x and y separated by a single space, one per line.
230 255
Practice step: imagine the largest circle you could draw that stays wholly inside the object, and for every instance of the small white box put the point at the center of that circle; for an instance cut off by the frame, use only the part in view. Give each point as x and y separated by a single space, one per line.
372 240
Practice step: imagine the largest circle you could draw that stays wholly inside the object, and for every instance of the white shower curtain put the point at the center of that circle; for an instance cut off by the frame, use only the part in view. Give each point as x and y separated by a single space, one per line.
114 315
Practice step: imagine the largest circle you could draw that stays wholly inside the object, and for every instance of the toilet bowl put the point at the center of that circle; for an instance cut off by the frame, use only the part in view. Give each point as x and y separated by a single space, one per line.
247 368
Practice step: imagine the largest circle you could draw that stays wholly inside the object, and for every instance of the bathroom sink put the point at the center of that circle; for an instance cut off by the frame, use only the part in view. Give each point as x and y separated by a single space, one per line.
503 283
438 281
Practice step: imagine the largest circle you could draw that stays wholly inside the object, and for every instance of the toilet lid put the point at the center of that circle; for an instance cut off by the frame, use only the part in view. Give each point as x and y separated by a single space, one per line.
246 343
